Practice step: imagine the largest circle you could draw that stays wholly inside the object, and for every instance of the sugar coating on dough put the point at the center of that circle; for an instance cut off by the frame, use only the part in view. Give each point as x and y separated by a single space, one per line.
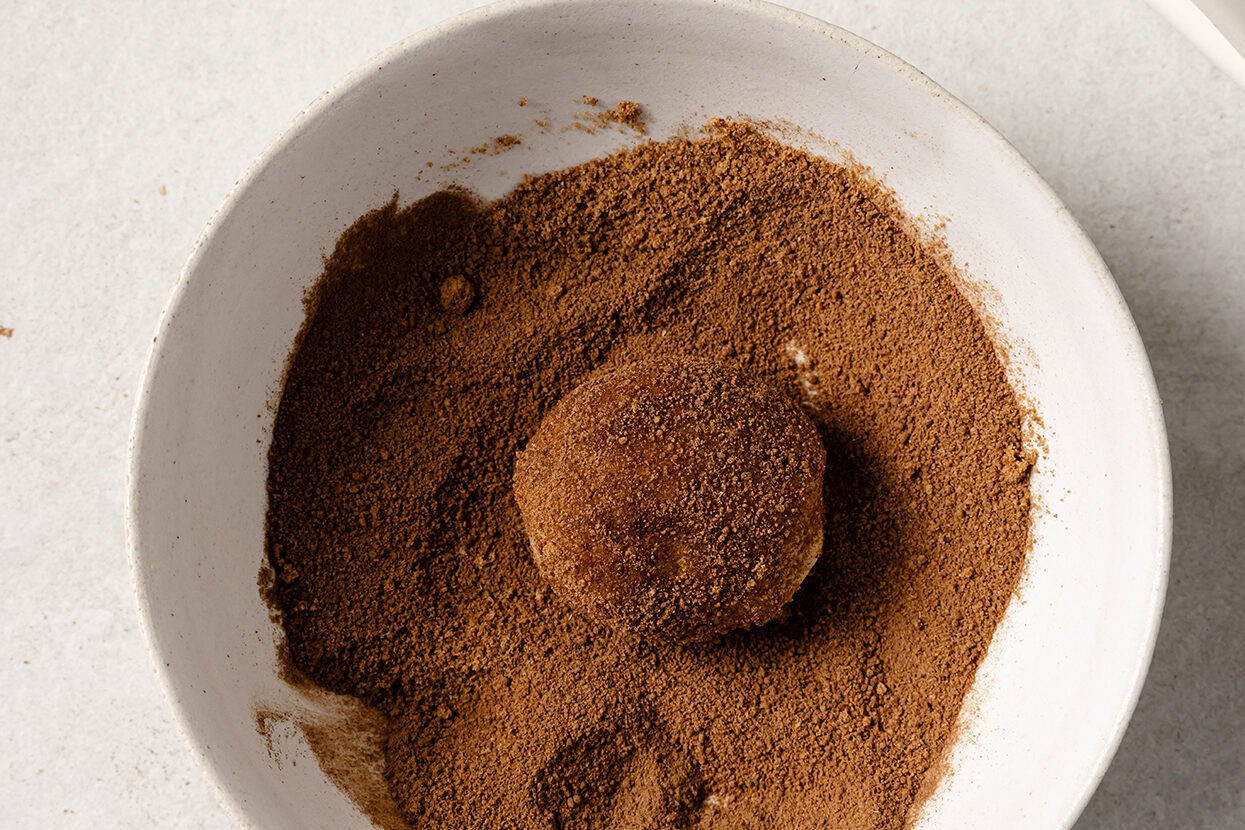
675 497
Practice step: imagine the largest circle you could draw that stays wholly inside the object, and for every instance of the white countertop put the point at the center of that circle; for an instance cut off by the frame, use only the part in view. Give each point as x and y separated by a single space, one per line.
122 127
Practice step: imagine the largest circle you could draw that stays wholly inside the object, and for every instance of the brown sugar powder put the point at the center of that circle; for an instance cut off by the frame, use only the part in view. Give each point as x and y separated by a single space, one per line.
628 113
624 114
438 337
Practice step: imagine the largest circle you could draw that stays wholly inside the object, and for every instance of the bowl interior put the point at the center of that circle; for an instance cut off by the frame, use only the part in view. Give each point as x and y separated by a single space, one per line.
1059 682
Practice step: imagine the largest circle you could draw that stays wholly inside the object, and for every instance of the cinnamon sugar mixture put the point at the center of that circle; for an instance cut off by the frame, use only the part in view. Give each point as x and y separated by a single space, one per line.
438 337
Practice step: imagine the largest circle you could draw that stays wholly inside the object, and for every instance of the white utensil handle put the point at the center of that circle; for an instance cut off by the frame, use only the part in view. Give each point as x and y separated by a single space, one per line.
1217 27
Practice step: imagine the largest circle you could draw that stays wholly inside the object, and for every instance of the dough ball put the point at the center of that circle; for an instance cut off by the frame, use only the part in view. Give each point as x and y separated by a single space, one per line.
674 497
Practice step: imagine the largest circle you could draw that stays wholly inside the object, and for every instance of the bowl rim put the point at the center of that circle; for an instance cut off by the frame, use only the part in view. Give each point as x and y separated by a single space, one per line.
1126 327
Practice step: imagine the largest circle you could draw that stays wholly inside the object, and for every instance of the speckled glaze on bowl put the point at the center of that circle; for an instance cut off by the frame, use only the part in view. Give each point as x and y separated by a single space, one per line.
1057 687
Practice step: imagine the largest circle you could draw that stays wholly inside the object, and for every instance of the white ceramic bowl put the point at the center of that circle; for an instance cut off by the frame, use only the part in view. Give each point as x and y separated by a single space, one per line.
1057 687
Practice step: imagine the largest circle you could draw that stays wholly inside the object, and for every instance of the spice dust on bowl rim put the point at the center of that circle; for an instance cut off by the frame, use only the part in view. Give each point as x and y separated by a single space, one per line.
1055 690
